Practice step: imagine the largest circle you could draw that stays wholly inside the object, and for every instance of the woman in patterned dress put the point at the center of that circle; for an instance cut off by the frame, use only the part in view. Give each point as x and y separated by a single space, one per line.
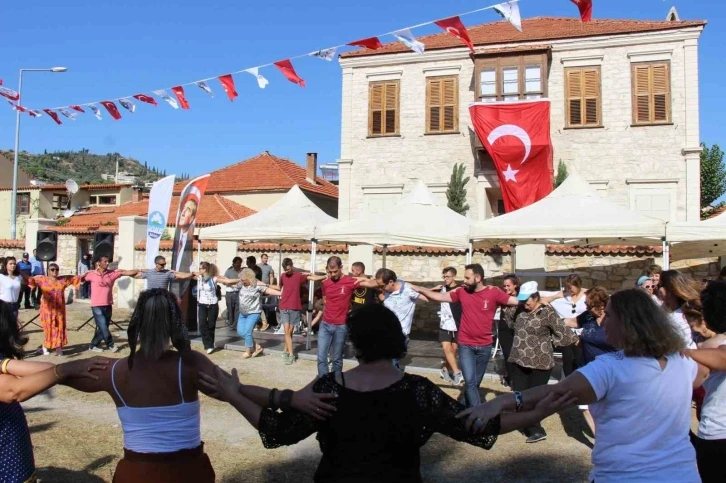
19 381
53 307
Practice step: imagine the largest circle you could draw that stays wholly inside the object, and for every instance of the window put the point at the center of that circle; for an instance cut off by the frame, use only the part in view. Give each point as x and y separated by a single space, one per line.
511 78
651 93
60 202
93 200
485 160
107 200
383 108
23 204
583 97
442 104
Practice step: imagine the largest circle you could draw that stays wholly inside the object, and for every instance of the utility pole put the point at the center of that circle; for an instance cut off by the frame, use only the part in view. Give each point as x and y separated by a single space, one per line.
116 178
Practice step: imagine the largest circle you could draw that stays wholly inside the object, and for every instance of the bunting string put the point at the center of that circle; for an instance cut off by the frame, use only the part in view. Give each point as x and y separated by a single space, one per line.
452 25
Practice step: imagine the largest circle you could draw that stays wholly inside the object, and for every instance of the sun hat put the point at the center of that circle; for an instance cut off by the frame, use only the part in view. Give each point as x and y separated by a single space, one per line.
526 290
642 280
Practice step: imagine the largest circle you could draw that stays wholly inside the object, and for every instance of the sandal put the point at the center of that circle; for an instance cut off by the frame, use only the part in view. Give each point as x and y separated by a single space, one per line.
258 351
246 355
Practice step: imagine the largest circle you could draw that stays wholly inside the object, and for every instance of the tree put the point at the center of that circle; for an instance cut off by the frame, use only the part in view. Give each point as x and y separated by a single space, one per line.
561 174
456 190
713 174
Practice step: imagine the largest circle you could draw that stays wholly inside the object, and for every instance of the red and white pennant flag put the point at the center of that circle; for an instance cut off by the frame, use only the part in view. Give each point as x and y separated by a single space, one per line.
288 71
585 8
179 93
454 26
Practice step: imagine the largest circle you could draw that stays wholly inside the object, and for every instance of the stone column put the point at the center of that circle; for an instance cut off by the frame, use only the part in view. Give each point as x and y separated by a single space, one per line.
131 230
32 227
345 178
692 148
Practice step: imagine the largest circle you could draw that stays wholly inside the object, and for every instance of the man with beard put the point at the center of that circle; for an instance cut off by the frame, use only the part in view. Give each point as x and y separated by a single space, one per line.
478 307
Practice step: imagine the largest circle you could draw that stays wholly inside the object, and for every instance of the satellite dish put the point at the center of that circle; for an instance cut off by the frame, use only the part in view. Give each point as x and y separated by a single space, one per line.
68 213
71 187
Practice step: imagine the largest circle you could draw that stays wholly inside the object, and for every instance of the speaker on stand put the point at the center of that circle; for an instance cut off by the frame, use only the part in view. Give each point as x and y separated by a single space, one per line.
103 245
46 246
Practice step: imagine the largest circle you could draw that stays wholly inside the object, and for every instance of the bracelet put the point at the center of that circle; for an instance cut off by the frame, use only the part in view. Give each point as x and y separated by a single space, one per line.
4 366
286 399
271 401
518 401
55 371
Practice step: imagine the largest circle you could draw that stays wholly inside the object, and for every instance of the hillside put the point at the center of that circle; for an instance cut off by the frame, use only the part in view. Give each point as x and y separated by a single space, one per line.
82 166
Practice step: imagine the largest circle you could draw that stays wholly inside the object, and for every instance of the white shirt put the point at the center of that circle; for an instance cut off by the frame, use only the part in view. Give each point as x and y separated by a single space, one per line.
447 321
642 416
564 305
403 303
713 413
207 291
684 328
9 289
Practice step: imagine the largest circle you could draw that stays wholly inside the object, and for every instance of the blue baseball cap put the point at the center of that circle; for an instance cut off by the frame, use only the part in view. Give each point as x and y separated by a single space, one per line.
642 280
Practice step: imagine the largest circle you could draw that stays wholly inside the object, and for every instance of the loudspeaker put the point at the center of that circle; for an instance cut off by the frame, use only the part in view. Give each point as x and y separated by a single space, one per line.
46 246
103 245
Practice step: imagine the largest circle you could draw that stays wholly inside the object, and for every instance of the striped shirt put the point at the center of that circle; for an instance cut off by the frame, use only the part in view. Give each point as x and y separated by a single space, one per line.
158 278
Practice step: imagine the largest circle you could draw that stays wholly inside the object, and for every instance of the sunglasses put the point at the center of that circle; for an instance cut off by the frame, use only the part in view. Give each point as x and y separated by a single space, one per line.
162 265
52 269
574 308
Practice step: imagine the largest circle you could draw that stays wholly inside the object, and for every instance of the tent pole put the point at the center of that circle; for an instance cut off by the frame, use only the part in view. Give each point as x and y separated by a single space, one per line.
666 255
311 292
469 253
513 257
385 250
279 265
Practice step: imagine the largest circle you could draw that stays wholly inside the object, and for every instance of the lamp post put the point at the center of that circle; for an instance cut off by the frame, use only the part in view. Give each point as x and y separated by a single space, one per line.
14 197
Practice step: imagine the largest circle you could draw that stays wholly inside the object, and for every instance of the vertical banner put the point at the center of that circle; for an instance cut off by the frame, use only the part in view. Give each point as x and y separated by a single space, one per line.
182 255
159 204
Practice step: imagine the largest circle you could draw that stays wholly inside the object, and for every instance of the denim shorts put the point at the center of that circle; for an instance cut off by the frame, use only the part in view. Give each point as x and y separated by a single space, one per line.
289 317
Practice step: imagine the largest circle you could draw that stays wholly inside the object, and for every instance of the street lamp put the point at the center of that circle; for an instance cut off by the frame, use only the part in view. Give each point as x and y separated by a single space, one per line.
14 198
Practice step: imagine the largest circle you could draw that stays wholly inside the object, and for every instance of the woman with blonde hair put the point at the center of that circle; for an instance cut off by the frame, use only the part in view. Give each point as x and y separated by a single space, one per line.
675 290
208 301
251 291
639 397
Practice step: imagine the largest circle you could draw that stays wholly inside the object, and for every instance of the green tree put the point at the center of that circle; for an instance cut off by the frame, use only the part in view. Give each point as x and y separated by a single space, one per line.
713 174
456 190
561 175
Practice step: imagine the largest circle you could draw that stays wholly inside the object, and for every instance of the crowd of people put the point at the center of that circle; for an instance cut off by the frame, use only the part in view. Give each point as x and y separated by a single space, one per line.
634 362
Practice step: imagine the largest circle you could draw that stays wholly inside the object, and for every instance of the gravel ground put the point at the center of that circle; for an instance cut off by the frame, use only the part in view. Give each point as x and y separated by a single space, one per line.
77 437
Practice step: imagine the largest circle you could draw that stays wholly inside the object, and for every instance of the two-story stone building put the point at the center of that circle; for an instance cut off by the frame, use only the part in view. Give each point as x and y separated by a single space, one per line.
624 111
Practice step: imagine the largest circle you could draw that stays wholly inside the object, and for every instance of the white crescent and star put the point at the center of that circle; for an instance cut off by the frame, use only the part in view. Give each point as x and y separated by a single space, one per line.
517 132
453 31
510 174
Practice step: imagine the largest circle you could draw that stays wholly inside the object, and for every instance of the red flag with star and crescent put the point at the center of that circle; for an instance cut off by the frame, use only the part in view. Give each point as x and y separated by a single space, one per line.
517 136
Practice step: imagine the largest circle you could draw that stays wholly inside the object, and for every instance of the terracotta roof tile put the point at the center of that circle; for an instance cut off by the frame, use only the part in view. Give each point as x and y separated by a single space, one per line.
264 172
604 250
716 212
62 187
533 30
6 243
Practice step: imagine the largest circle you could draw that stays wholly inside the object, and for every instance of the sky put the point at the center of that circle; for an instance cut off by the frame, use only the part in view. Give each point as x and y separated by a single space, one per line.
115 49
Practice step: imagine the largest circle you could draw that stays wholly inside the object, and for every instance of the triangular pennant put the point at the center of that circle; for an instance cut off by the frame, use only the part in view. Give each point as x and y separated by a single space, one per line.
128 105
146 99
203 86
53 115
17 107
261 81
325 54
69 114
9 94
406 38
454 26
164 95
77 108
112 109
179 93
288 71
96 111
510 12
585 8
34 113
228 85
371 43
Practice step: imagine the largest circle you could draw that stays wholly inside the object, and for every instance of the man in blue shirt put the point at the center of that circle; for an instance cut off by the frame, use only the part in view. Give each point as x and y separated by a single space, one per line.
36 270
25 268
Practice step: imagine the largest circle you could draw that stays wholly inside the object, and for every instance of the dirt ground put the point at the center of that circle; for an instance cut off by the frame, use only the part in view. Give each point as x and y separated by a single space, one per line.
77 437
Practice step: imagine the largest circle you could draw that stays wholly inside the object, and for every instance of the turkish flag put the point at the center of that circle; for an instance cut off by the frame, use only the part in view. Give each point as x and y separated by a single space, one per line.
288 71
146 99
454 26
585 7
77 108
371 43
112 109
179 93
53 115
227 82
517 136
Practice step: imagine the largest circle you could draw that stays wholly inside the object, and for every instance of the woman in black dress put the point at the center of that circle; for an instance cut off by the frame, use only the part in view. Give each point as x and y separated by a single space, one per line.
381 416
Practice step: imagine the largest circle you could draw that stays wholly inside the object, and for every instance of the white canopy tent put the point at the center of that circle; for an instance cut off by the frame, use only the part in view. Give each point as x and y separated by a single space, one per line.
292 218
415 220
698 239
573 214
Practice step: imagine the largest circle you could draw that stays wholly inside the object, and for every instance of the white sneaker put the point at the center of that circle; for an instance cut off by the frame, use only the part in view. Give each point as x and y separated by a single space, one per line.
444 374
42 350
113 349
209 351
280 330
458 379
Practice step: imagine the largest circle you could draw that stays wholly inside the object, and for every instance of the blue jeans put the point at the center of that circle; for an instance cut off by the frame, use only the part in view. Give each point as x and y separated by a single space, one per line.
245 325
396 361
102 317
331 335
473 361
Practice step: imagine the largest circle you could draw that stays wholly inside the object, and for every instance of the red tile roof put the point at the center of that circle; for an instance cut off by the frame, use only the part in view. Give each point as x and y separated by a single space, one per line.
62 187
535 29
214 210
264 172
6 243
639 251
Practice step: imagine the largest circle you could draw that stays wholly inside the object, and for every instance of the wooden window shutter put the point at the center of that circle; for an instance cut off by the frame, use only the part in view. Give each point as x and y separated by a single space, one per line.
651 93
661 93
583 97
574 98
591 95
442 104
383 108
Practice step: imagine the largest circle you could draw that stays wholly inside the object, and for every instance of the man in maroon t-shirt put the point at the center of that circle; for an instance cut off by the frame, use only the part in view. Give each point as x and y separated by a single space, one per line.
337 291
478 306
291 303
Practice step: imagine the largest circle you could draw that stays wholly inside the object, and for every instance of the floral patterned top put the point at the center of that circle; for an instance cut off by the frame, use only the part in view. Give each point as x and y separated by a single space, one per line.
534 335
